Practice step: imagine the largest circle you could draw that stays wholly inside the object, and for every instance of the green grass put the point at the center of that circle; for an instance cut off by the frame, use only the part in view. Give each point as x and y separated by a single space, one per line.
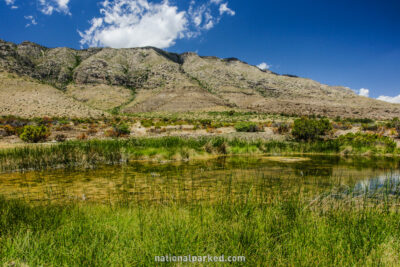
281 233
95 152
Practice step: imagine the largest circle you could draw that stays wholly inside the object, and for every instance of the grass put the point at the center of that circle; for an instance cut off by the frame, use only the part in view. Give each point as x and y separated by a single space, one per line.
252 215
94 152
285 232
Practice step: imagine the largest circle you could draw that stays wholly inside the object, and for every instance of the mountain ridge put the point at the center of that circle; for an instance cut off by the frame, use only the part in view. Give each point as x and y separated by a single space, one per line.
149 79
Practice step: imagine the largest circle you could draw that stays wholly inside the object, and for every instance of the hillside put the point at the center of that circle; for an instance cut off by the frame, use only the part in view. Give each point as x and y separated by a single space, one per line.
38 81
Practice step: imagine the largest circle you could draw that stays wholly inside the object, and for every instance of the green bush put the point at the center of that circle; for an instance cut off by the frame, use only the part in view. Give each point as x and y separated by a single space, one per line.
369 127
61 138
146 123
395 123
363 120
249 127
282 128
34 134
310 129
363 141
122 129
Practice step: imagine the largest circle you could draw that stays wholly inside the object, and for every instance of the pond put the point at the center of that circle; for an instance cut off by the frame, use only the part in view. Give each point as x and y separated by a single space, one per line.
261 177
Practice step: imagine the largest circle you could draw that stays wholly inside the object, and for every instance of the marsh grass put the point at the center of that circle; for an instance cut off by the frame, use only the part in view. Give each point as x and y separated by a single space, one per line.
241 216
285 232
92 153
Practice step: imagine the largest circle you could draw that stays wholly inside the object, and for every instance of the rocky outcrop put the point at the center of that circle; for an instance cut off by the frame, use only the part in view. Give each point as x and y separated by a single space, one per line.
161 81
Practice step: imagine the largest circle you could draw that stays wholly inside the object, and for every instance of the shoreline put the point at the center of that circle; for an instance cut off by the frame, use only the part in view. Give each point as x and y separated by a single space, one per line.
91 153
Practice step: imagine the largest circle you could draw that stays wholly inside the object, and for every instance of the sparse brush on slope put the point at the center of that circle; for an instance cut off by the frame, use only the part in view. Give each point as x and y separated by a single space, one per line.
149 79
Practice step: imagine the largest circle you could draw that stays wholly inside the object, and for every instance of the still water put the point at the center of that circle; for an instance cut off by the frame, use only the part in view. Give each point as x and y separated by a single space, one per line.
261 177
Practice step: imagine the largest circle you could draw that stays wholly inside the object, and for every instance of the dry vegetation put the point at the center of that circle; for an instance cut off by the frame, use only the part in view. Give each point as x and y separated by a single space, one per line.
151 80
25 97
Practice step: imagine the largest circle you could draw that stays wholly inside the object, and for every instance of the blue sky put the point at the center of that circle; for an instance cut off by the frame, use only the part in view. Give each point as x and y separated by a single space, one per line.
351 43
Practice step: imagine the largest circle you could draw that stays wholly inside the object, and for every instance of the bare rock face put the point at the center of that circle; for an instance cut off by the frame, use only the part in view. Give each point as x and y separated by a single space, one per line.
150 79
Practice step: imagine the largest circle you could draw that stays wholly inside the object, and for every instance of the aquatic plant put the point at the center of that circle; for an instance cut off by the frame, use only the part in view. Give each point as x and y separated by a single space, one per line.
89 153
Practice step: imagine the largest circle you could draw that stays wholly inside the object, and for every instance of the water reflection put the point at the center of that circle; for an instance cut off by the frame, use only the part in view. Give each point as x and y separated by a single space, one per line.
388 183
207 180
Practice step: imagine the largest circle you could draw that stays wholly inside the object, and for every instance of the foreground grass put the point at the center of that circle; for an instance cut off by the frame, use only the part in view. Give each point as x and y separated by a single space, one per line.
95 152
282 233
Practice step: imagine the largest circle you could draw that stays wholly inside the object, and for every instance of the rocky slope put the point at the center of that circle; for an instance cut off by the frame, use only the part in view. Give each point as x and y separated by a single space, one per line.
93 81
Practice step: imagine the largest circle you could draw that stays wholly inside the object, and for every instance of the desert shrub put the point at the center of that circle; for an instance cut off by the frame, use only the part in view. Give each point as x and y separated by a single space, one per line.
205 122
398 130
45 121
82 136
62 121
34 134
217 125
310 129
122 129
361 141
395 123
392 123
337 119
146 123
281 128
64 127
92 130
248 127
9 130
161 123
369 127
61 138
342 125
359 120
115 111
111 133
77 121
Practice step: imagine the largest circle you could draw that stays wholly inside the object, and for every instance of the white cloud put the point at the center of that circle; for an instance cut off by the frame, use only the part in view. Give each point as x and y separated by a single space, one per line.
202 16
263 66
31 19
364 92
49 6
130 23
137 23
390 99
223 8
11 3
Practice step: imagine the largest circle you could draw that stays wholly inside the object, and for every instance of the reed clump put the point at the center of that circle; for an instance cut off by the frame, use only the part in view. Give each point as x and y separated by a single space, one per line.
90 153
286 232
